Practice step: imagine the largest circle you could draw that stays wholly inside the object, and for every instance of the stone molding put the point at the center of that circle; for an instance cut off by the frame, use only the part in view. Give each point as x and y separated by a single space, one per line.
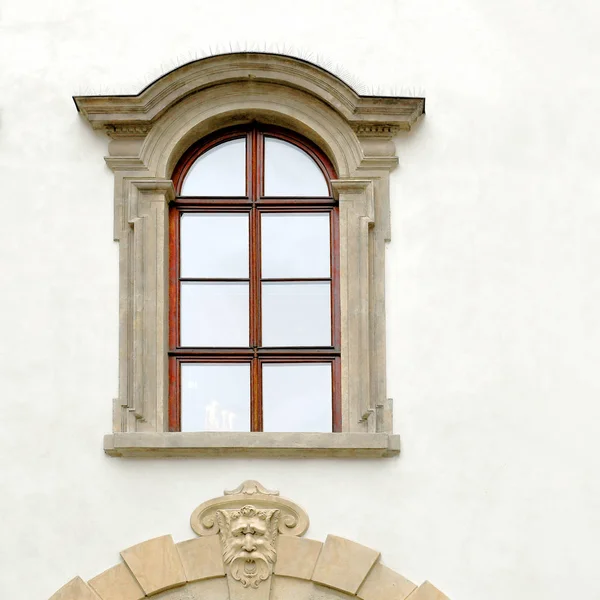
212 443
292 519
303 568
149 133
129 115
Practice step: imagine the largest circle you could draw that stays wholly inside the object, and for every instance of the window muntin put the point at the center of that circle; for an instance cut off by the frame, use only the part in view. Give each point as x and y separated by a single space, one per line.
279 309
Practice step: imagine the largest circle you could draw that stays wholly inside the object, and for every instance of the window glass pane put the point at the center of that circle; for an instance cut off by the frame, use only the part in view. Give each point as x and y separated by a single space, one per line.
219 172
297 397
296 314
295 245
215 397
289 171
214 314
214 245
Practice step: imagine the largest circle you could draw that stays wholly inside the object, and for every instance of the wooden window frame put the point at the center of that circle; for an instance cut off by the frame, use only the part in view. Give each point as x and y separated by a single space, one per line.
254 203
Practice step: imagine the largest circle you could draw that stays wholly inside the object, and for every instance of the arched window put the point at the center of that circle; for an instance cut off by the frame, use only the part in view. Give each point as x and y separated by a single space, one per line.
254 327
269 321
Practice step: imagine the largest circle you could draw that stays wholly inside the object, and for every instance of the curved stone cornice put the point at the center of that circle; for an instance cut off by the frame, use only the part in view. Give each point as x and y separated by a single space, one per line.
133 114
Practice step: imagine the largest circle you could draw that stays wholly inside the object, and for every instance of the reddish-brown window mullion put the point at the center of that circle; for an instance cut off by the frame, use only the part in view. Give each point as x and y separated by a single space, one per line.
213 280
256 421
255 324
174 379
256 416
296 279
174 384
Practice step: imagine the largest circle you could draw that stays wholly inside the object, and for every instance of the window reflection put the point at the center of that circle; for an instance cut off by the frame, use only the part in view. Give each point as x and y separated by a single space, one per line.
297 397
221 171
290 171
214 245
295 245
296 314
214 314
215 397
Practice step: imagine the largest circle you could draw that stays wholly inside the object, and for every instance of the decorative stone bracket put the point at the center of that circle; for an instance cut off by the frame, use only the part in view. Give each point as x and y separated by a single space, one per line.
258 554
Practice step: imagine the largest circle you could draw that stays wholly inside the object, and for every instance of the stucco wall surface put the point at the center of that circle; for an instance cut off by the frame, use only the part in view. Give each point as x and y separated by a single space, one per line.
493 292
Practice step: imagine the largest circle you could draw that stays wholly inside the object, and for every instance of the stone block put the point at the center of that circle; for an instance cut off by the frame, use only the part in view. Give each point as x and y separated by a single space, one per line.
76 589
296 557
202 558
117 583
155 564
427 591
343 564
384 584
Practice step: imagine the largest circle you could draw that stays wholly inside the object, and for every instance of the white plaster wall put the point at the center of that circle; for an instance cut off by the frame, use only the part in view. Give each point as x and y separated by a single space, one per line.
493 293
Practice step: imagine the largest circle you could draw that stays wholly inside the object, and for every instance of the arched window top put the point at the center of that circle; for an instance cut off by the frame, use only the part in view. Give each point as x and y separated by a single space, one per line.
290 171
221 166
219 171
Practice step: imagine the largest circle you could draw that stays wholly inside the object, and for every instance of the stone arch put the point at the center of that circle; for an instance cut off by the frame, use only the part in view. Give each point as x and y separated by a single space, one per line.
195 569
210 110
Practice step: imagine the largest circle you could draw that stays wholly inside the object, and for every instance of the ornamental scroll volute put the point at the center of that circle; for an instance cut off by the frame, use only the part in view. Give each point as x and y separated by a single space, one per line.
248 521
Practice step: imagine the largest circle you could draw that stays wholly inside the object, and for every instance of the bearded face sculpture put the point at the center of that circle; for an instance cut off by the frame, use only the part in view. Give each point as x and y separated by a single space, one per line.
248 537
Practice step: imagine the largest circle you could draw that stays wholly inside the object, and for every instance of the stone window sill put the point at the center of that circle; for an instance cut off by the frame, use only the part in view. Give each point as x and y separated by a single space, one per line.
295 445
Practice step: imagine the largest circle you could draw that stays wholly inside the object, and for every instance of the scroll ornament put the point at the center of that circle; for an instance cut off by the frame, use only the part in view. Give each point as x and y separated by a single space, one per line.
248 521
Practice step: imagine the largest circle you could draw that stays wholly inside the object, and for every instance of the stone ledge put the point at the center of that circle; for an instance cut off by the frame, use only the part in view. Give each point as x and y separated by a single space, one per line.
277 445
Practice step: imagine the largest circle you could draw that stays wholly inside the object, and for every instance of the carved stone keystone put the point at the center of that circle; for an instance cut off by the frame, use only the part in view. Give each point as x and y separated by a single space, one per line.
248 521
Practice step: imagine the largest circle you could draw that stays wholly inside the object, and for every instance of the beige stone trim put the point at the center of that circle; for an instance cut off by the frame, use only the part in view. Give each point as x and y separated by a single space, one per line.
343 564
297 557
427 591
76 589
384 584
134 115
249 548
155 564
149 132
117 583
295 445
202 558
287 588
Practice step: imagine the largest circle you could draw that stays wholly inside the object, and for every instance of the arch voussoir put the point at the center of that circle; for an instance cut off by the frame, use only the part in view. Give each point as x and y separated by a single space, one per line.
117 583
384 584
343 564
76 589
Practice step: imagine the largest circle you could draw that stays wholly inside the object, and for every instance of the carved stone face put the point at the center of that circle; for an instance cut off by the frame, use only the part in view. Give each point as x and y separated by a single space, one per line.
248 537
